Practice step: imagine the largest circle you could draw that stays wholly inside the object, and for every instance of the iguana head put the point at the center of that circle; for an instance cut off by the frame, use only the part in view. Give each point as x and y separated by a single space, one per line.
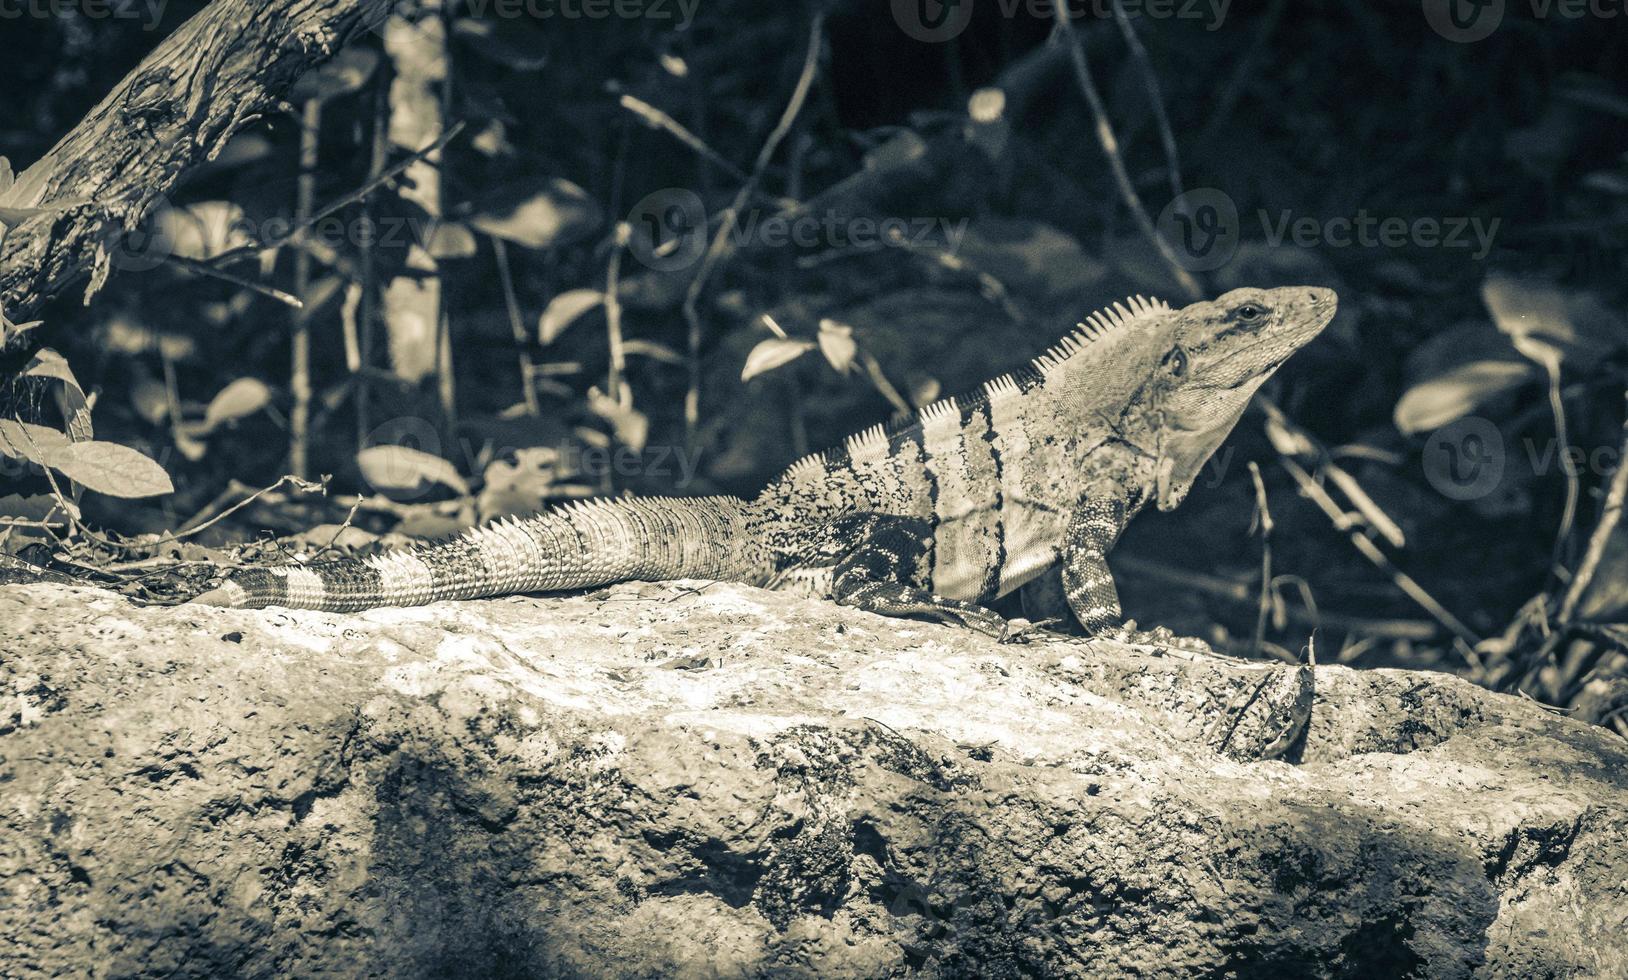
1216 355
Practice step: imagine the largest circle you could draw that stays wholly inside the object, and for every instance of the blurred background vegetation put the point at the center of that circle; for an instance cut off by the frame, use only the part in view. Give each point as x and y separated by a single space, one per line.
584 290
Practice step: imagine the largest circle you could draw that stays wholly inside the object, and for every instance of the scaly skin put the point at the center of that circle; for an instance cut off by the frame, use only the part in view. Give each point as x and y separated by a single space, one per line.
980 495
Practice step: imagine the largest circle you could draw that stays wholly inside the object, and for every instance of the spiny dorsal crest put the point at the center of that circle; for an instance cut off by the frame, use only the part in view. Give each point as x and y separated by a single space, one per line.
1098 325
875 442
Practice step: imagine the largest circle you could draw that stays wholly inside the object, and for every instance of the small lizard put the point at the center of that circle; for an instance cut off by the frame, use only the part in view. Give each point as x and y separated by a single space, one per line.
974 497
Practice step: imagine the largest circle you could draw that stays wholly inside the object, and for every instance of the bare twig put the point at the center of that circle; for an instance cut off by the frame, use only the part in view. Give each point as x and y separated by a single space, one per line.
1417 630
1110 149
193 526
339 204
1265 518
1568 515
720 240
511 302
1313 491
205 269
299 383
1610 515
613 313
658 120
1150 81
379 152
1243 72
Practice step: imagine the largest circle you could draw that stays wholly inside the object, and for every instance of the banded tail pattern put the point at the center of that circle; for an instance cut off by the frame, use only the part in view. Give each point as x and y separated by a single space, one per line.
577 546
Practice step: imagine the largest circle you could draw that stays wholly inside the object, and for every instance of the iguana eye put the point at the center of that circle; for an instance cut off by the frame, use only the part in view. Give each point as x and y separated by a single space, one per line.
1249 313
1176 362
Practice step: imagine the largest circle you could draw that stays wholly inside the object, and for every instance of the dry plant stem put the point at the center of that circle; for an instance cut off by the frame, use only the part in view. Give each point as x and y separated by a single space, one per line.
1110 149
1568 516
661 121
1265 512
1417 630
213 75
339 204
299 417
1243 72
205 269
1610 516
1313 491
1370 511
446 379
379 153
192 527
613 316
884 387
1150 81
511 302
720 240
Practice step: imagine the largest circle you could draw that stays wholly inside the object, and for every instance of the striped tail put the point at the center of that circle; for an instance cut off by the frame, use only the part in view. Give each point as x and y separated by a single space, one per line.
577 546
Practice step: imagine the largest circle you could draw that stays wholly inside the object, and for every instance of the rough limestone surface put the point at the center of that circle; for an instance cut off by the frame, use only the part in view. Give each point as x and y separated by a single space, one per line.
711 780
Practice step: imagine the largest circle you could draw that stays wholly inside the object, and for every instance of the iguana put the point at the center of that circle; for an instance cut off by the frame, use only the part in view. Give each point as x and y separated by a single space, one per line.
973 498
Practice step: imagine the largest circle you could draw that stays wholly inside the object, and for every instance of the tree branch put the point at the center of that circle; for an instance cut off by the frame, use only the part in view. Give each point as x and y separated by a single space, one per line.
214 75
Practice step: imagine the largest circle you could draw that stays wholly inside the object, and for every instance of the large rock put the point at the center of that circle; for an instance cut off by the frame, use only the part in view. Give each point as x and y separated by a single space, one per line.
657 780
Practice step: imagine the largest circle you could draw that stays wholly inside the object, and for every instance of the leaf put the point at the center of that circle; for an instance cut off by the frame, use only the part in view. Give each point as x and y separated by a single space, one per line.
403 469
25 440
1532 314
649 348
510 42
564 310
240 399
1550 325
198 231
1448 397
317 295
837 344
150 399
47 363
773 353
631 426
559 215
451 240
110 468
344 73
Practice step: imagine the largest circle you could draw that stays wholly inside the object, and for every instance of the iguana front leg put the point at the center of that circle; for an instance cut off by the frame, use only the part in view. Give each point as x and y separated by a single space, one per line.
1089 586
881 563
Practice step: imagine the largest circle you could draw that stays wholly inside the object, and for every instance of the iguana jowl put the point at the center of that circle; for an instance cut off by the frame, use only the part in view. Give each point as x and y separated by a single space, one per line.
977 496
